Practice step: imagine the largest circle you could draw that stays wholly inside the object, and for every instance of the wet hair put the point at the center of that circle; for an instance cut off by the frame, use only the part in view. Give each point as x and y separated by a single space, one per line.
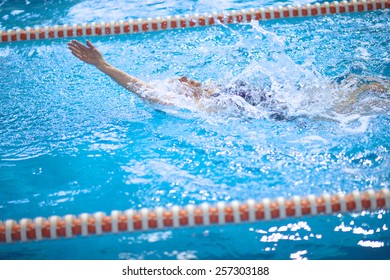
256 96
250 94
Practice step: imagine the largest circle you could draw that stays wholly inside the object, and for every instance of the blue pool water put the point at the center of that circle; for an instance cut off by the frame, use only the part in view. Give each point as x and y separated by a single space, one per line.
72 141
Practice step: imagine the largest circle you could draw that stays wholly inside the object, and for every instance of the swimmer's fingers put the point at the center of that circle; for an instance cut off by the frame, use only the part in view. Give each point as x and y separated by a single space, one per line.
78 55
88 54
73 44
89 44
77 52
79 45
74 49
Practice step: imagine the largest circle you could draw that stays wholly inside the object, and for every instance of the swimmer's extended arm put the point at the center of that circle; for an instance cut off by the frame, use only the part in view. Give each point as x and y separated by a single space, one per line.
91 55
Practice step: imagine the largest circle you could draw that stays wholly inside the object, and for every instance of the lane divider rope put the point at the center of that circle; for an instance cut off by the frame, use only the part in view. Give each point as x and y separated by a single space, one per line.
205 214
189 21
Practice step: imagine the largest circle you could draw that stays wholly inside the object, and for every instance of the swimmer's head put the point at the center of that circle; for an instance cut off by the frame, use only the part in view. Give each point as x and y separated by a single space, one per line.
195 87
198 90
192 83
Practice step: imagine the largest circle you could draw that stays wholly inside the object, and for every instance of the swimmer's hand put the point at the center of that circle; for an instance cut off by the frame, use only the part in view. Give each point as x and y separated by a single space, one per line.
88 54
91 55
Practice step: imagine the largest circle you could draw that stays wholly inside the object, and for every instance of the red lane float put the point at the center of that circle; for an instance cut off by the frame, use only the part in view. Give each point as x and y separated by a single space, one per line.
190 216
188 21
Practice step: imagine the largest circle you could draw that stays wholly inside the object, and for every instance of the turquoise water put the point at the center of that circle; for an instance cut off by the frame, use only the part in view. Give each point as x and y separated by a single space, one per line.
72 141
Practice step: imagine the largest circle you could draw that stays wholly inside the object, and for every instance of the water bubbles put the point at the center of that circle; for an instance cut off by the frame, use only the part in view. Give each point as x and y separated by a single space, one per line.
37 171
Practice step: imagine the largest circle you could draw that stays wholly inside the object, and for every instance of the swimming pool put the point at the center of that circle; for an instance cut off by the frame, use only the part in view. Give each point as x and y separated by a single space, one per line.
72 141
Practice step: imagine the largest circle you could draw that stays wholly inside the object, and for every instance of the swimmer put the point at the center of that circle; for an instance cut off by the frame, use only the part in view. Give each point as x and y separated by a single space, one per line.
240 93
194 89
